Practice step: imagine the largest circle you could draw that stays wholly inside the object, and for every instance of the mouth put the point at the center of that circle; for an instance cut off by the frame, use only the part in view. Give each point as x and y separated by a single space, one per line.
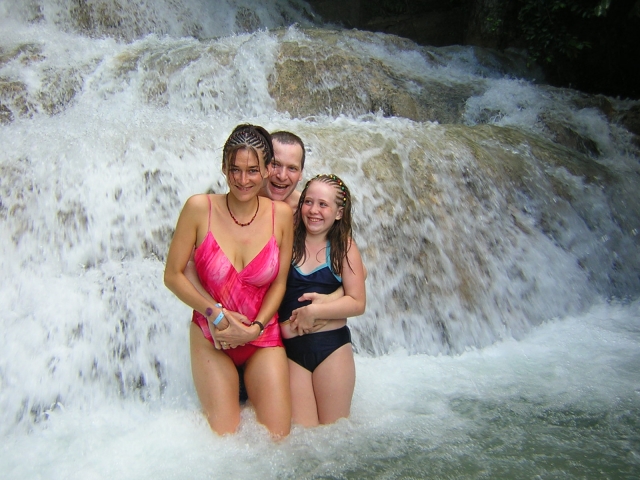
278 186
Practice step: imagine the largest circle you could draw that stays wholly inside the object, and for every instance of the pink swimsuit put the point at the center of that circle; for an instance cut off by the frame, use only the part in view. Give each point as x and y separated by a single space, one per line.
241 291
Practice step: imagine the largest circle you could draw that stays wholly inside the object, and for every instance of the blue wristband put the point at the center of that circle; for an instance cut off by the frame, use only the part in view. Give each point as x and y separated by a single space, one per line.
219 317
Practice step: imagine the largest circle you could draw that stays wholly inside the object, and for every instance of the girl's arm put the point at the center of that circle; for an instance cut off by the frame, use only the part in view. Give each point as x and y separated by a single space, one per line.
314 297
351 304
182 244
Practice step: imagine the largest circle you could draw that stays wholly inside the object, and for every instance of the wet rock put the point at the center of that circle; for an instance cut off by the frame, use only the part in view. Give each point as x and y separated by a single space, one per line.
331 78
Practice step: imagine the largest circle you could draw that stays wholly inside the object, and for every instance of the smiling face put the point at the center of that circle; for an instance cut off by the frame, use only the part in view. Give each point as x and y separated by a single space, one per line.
284 172
245 173
320 210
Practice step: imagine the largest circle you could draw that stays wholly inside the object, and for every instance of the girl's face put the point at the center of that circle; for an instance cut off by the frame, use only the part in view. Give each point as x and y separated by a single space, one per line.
245 174
320 208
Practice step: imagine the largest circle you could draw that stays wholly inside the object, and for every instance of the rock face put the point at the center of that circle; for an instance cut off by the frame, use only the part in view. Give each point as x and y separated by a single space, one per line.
335 79
339 72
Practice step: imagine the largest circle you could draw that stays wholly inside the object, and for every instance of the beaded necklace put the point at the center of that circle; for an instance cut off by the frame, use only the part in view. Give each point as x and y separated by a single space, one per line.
252 218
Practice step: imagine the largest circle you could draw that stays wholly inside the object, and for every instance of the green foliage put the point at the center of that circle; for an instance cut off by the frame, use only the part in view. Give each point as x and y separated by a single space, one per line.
494 24
548 27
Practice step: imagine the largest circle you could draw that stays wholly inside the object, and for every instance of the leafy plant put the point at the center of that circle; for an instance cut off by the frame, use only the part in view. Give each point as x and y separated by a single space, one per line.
548 27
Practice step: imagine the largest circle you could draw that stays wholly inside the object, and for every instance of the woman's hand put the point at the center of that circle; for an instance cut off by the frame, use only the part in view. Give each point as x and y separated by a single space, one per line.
239 332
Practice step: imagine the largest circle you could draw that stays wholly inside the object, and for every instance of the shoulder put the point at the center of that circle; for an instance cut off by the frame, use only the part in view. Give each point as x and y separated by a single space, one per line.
283 212
293 200
199 203
352 263
198 199
352 249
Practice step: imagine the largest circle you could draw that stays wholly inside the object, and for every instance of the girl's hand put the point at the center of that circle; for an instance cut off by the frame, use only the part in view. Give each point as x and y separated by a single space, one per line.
237 333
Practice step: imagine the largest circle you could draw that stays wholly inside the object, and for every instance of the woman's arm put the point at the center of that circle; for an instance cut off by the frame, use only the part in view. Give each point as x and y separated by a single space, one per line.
184 239
273 298
192 275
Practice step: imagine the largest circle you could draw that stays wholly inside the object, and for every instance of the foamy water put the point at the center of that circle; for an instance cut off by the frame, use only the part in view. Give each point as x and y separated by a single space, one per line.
490 347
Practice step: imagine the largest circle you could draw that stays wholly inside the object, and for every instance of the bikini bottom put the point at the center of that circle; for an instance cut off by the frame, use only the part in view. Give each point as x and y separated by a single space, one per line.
312 349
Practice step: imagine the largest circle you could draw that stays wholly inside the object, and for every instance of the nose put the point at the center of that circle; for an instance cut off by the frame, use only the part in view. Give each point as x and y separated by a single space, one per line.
279 171
242 177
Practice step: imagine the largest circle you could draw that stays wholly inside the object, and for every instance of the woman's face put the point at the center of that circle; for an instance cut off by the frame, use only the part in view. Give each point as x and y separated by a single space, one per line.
320 208
245 173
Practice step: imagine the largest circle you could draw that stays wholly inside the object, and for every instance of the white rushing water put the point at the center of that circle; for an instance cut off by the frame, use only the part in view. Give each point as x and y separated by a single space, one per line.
487 350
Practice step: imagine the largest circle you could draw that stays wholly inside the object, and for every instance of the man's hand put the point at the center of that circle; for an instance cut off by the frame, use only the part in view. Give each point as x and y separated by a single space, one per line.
236 334
314 297
302 319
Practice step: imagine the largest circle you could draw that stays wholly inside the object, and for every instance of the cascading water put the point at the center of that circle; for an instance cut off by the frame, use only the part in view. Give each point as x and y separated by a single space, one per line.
501 338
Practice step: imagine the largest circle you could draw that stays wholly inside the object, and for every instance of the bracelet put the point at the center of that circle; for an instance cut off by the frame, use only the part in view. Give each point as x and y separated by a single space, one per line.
220 316
256 322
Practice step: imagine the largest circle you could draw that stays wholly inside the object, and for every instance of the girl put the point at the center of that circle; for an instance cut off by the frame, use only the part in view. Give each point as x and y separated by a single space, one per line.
242 255
325 257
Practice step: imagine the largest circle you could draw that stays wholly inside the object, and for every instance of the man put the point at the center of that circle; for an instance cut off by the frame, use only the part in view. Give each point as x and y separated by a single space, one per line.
285 172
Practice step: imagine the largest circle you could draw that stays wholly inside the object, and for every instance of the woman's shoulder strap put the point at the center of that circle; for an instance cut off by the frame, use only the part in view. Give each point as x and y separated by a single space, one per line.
273 217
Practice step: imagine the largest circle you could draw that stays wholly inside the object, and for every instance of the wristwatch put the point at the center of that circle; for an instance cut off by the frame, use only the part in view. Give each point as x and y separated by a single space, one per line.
255 322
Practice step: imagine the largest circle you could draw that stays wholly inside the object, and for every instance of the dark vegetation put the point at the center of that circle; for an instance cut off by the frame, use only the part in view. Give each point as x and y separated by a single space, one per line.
589 45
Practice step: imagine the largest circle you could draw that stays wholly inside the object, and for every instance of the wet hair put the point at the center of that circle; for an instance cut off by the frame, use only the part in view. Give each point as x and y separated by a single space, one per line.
288 138
339 235
247 137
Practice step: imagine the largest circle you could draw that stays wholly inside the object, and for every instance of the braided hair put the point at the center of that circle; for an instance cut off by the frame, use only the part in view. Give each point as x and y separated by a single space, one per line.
339 235
247 137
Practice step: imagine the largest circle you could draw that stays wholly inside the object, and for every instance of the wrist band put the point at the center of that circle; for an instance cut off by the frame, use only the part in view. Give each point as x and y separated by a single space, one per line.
220 316
256 322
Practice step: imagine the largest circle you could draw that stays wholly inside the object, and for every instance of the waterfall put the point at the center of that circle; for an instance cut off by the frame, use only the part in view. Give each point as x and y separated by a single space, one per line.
487 206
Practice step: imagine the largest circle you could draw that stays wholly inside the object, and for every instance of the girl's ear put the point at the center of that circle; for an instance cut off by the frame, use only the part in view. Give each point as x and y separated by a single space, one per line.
340 212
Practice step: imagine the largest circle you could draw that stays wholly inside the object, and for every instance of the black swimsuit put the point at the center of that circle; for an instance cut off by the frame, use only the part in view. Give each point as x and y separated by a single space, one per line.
311 350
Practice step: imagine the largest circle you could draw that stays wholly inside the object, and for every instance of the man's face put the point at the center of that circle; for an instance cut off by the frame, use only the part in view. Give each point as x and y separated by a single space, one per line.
285 171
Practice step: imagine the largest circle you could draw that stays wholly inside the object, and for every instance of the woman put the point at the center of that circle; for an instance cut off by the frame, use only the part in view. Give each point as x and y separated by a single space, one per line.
316 336
243 248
